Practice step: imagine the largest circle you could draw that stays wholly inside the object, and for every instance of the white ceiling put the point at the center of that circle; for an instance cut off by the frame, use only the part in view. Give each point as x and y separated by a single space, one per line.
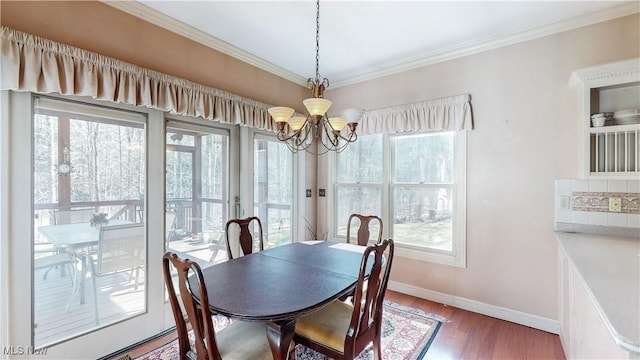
361 40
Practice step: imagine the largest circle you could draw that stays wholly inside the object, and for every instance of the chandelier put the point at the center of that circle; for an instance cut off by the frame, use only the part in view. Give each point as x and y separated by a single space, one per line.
329 131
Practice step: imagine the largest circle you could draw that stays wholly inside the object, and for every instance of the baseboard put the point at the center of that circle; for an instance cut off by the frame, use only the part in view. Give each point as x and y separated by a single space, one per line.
518 317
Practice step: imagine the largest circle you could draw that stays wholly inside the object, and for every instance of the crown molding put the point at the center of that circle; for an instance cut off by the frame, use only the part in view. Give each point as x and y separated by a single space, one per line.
475 48
155 17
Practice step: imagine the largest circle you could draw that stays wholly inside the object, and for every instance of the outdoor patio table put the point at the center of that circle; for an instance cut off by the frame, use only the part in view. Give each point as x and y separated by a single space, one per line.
75 237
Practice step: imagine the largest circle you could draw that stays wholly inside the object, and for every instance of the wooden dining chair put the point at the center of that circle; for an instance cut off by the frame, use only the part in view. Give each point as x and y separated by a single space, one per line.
364 230
239 340
246 237
342 330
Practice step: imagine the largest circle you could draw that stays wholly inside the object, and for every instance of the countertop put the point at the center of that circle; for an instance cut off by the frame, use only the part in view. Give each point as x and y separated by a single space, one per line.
609 269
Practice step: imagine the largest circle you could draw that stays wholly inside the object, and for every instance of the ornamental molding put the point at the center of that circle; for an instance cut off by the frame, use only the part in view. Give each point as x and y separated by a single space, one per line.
621 71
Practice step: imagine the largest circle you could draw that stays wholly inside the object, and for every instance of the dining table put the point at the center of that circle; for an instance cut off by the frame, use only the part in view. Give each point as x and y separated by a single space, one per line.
76 237
278 285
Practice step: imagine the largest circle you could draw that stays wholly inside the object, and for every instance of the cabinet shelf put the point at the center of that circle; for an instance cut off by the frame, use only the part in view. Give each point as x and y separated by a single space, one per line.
614 150
614 128
609 151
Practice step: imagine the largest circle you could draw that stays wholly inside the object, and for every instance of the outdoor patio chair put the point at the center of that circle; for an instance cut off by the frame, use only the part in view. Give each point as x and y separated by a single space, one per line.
120 248
73 216
169 224
53 260
59 257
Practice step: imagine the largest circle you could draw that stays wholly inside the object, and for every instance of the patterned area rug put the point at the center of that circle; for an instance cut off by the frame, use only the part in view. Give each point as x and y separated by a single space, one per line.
406 334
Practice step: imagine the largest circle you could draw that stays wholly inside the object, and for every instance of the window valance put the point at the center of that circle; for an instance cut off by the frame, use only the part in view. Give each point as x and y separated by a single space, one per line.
449 113
32 63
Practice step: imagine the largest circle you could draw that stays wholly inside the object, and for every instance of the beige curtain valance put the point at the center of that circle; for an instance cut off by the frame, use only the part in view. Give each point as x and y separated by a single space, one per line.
444 114
32 63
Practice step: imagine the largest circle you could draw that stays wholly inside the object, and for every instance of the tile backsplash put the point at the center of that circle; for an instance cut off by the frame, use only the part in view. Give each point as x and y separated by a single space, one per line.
588 202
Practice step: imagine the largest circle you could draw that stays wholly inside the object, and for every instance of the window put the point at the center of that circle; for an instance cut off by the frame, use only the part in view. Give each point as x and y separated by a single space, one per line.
416 183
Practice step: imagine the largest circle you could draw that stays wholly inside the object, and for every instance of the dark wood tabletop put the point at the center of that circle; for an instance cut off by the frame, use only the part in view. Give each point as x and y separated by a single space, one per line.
280 284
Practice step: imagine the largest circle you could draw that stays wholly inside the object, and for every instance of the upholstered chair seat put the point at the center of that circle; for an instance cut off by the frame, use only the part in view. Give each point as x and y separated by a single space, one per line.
243 340
327 326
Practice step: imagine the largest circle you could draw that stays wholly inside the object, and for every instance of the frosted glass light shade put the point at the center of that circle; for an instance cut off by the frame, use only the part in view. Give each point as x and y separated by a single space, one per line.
296 122
280 113
337 123
317 106
352 115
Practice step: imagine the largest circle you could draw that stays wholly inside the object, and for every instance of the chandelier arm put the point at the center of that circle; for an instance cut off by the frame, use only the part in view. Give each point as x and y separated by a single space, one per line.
325 83
283 137
342 147
328 132
302 140
293 148
350 138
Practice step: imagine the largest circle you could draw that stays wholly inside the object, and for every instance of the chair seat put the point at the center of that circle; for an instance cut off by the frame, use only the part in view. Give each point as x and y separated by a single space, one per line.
243 340
52 260
327 326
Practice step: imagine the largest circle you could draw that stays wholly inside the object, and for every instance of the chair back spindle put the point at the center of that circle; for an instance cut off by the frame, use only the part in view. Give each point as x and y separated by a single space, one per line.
246 237
364 230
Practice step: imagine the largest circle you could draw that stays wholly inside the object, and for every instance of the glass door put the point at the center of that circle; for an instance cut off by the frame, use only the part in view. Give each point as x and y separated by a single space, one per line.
273 189
197 191
89 243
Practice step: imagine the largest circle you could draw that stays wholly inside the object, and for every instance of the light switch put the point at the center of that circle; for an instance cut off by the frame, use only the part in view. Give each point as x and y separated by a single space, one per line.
615 204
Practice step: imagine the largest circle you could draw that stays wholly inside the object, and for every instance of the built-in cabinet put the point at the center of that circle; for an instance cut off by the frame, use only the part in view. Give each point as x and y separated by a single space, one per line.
612 149
583 332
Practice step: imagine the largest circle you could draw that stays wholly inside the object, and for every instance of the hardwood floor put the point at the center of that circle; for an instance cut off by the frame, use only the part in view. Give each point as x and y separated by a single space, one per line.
465 335
468 335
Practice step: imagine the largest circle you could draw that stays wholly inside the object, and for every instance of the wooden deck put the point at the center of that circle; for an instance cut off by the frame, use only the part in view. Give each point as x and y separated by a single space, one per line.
117 297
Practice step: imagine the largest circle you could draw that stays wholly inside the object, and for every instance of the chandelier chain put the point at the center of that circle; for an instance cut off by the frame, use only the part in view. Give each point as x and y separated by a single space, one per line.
301 133
318 41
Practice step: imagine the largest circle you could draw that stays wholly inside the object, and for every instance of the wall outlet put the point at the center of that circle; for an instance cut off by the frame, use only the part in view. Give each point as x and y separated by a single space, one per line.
321 192
565 202
615 204
308 193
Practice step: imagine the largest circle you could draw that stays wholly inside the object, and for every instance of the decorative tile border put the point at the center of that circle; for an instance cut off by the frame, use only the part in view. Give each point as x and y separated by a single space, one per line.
599 201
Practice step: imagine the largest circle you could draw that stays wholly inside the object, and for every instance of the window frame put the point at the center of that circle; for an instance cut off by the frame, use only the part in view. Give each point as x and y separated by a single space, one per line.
457 257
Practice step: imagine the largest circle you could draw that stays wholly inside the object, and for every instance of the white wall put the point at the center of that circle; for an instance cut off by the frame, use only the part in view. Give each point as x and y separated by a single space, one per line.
525 137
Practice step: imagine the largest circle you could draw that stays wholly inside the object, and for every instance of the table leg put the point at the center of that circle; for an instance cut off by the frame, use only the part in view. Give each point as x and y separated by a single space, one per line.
280 335
83 275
